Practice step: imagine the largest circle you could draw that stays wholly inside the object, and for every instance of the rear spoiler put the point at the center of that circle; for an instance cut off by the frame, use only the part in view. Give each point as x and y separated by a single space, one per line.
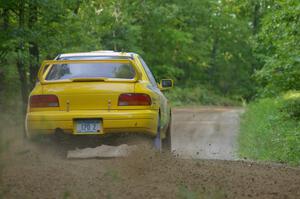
43 71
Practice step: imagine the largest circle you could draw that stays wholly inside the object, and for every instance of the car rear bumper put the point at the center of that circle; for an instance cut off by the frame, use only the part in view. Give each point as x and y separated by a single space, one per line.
113 121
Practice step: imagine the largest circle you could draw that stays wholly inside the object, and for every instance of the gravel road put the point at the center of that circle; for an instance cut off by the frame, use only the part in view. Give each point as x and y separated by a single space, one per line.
205 137
206 133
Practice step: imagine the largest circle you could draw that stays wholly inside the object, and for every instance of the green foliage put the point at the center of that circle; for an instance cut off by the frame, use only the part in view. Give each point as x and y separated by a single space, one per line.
278 47
268 133
270 127
195 41
199 96
217 45
291 105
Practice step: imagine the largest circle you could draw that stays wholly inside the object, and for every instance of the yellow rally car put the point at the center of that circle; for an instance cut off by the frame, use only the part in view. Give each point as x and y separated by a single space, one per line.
97 93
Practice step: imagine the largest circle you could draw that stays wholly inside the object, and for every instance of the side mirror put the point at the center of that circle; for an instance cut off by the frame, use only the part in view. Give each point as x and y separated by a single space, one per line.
165 84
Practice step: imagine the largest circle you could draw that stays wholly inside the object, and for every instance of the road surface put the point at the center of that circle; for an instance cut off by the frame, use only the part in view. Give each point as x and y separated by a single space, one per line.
206 133
41 169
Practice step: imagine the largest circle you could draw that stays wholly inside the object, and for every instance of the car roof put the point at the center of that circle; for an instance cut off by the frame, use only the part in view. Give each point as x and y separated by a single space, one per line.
102 53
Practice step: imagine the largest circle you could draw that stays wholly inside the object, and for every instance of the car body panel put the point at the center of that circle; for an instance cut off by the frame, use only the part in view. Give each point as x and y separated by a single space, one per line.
98 100
113 121
89 95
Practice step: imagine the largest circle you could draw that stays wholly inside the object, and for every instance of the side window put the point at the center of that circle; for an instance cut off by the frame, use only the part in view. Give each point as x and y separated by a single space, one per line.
149 73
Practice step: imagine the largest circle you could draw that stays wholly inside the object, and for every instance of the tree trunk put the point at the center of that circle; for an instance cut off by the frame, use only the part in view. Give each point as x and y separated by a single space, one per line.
256 16
33 45
3 61
5 16
255 28
4 28
213 61
20 51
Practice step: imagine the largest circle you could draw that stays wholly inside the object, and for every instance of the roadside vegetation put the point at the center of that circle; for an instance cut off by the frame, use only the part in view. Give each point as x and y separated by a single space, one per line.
270 130
192 96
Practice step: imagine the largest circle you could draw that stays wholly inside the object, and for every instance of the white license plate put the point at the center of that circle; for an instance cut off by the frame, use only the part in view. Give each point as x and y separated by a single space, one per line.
88 126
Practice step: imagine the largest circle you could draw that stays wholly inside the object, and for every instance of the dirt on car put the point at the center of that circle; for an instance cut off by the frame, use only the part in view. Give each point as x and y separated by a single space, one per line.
201 166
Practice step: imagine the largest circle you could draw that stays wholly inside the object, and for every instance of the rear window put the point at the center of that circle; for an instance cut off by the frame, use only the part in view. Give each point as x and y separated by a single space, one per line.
91 70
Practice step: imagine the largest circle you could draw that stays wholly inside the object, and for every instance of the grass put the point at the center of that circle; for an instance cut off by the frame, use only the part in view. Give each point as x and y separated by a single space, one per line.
199 96
113 175
185 193
66 195
269 132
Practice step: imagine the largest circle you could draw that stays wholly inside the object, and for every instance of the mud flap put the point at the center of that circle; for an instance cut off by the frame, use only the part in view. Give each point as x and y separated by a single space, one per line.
158 142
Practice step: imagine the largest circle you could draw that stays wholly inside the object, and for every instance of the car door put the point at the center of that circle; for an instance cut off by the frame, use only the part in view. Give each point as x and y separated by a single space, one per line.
164 108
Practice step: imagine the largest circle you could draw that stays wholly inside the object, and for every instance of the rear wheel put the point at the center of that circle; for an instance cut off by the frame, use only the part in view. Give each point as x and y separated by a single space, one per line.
163 144
157 139
167 141
26 133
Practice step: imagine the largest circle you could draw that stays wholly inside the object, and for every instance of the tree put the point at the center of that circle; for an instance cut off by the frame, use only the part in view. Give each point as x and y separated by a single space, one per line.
197 43
279 48
34 57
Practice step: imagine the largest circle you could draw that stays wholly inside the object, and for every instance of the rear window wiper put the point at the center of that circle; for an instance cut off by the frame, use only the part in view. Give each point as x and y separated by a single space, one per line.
89 79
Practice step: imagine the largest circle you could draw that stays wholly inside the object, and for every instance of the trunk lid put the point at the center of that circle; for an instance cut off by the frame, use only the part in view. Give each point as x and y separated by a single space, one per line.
88 95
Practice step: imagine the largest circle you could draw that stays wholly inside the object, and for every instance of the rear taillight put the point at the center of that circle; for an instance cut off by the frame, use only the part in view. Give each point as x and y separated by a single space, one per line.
40 101
134 99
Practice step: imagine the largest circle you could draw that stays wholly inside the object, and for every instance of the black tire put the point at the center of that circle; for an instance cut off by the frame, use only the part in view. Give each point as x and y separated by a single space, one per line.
26 133
157 140
167 141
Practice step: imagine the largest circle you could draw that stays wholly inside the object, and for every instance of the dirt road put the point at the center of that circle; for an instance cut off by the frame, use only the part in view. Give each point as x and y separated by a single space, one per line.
206 133
41 170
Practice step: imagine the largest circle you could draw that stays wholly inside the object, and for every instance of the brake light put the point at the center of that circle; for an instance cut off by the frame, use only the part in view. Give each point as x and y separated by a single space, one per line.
134 99
41 101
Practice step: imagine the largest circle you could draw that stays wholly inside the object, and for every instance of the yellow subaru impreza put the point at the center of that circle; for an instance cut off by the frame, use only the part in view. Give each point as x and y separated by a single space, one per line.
97 93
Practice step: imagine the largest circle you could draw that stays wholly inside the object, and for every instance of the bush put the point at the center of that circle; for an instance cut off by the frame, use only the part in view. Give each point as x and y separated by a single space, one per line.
291 104
268 133
198 96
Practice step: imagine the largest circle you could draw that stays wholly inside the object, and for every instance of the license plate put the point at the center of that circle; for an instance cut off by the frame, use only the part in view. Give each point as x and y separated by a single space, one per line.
88 126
